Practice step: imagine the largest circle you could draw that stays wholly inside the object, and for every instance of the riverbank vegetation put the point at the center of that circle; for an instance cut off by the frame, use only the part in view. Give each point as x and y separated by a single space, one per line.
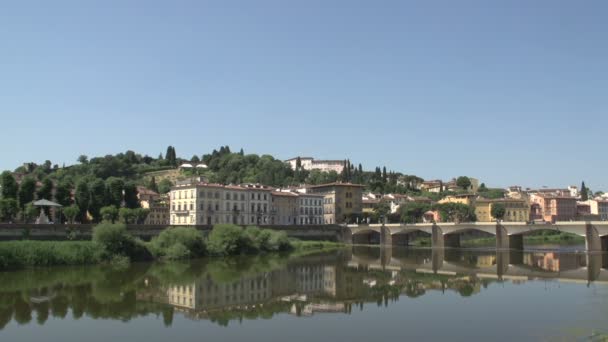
112 243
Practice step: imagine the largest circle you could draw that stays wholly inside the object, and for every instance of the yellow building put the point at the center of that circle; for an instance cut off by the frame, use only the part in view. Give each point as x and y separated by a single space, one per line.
468 199
517 210
341 200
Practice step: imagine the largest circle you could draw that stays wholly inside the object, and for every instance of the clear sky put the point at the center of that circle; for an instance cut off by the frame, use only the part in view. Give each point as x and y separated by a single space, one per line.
508 91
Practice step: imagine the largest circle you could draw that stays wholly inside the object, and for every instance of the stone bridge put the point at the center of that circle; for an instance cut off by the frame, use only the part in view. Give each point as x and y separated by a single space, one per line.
508 235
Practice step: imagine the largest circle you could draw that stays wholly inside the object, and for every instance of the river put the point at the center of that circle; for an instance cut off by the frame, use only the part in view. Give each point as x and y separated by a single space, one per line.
355 294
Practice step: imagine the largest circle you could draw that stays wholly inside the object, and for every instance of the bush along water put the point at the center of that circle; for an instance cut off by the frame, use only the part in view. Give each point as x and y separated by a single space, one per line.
113 244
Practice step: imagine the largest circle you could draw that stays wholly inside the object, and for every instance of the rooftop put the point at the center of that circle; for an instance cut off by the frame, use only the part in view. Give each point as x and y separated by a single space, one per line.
336 184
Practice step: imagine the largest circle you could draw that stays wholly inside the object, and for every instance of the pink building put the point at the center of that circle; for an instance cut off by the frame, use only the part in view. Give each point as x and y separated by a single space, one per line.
555 207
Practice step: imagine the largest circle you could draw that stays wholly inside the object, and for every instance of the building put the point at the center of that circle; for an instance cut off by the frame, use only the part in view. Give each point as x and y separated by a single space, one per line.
396 200
555 207
310 209
157 204
203 203
598 208
309 163
432 186
515 210
341 202
285 208
467 199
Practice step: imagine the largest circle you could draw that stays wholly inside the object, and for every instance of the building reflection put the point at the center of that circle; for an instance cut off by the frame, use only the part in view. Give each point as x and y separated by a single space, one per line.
308 286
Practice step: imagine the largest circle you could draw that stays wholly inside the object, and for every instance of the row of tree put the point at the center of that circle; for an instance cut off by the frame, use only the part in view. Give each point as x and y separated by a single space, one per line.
90 195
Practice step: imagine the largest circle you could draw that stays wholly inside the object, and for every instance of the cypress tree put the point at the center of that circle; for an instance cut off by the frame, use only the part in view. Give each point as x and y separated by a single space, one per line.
584 192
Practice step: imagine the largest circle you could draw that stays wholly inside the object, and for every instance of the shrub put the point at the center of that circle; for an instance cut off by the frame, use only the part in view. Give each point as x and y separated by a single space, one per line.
177 252
279 242
227 239
190 238
115 240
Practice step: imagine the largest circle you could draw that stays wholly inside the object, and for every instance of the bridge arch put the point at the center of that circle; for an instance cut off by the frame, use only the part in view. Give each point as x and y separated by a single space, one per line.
366 236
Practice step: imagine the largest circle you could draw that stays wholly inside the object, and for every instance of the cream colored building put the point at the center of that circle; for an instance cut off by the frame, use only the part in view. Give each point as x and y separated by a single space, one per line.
340 202
285 208
203 203
309 163
310 209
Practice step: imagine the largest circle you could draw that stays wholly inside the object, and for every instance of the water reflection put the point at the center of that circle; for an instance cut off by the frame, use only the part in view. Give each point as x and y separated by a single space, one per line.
260 287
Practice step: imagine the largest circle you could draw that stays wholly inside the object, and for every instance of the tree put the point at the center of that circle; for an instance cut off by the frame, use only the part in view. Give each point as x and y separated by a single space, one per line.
141 215
8 185
97 198
195 159
46 190
127 215
30 212
456 212
71 213
82 197
498 211
412 212
9 207
130 192
82 159
170 156
584 192
63 193
109 213
381 210
114 188
164 186
152 184
26 192
482 188
463 182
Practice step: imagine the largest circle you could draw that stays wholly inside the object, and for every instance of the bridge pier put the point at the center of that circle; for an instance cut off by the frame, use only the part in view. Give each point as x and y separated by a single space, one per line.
437 259
386 254
346 236
437 237
593 241
386 239
502 237
594 266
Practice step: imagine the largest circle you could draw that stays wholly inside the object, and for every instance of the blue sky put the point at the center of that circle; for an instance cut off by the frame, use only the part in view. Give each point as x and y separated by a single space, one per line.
511 92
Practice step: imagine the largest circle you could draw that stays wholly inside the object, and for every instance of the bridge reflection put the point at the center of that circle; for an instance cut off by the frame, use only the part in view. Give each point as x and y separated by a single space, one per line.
502 265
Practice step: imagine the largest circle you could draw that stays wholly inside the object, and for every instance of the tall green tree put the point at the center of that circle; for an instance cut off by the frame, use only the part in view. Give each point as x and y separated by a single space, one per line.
164 186
9 207
27 191
463 182
109 213
71 213
584 192
8 185
114 189
46 190
498 211
131 200
97 199
63 193
82 197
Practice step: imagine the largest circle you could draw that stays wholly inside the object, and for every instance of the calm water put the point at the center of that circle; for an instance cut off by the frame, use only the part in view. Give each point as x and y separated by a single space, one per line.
358 294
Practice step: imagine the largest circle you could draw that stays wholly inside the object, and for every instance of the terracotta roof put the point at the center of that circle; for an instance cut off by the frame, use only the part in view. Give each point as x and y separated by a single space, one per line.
336 184
285 194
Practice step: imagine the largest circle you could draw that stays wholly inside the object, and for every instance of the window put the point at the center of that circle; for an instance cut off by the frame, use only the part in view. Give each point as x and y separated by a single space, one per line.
227 195
242 197
265 198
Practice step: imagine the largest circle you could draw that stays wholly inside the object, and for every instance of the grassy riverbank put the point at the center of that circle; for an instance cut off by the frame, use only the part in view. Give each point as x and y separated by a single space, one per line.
112 244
